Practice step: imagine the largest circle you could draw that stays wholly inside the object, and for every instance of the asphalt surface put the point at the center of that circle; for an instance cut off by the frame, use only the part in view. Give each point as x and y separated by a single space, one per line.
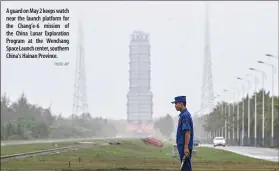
254 152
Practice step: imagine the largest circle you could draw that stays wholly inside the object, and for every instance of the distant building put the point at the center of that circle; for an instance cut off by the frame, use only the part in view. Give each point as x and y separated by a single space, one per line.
139 105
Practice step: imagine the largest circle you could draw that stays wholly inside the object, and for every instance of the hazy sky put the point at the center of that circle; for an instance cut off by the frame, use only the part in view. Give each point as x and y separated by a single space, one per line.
241 33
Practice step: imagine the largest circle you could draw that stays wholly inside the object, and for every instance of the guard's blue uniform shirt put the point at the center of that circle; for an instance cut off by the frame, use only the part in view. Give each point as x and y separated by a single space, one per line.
185 123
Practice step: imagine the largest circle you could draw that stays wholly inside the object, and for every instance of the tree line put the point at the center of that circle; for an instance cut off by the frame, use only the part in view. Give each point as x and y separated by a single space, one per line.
21 120
214 123
165 125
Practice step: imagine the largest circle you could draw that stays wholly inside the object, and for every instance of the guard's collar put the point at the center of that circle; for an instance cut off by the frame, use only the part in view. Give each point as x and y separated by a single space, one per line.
183 111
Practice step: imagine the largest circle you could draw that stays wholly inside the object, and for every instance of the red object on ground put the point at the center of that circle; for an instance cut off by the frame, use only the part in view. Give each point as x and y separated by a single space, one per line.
153 141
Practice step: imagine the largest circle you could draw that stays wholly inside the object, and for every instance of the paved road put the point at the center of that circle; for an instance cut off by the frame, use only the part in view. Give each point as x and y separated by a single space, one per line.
254 152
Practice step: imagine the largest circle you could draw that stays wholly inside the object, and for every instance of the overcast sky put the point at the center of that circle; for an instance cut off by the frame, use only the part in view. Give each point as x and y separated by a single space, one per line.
241 33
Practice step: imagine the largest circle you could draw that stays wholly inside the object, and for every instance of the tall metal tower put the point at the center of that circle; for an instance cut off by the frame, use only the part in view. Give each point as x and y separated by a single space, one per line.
80 105
139 105
207 103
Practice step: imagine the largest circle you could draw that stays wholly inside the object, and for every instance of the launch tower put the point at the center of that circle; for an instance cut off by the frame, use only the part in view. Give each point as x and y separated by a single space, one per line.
139 105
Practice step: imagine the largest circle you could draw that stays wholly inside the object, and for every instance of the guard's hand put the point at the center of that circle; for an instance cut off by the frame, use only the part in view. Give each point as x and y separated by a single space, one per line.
186 151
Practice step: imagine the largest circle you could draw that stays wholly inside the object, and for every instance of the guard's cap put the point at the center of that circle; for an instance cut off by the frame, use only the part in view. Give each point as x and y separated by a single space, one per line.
179 99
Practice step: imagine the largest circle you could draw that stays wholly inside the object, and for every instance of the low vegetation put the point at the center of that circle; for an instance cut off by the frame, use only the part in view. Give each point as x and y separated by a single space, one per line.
134 154
15 149
22 120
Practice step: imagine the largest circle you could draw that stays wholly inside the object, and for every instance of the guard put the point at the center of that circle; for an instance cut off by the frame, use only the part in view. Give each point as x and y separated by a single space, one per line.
185 132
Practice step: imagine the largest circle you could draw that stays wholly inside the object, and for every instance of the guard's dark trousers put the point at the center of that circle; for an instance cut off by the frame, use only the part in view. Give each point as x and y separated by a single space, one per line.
187 165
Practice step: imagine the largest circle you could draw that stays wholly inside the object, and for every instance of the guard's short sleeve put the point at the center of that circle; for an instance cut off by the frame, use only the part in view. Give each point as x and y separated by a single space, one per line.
185 123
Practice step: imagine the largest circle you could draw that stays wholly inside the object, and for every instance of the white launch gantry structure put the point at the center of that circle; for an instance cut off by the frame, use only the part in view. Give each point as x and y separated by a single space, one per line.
139 105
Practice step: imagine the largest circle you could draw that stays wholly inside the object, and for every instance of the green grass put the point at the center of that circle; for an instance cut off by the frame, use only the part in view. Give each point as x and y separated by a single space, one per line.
14 149
24 148
134 154
212 155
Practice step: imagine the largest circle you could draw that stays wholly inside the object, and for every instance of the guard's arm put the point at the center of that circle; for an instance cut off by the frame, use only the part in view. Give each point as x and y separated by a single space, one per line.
186 127
187 138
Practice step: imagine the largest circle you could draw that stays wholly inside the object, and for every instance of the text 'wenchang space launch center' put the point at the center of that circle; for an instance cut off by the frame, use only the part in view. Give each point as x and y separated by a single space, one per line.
139 105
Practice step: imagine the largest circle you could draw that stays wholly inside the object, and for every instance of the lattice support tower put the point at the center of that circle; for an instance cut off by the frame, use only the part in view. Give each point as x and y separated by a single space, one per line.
207 96
80 104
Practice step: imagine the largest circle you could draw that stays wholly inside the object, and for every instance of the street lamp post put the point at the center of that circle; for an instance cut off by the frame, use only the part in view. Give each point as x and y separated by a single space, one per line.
226 118
221 111
225 126
242 130
271 56
222 114
237 126
228 122
233 125
248 123
233 117
263 78
243 107
237 117
255 113
272 101
218 109
231 121
229 129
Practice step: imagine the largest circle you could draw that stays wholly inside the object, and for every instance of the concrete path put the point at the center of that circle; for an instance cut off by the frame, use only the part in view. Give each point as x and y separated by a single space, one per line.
254 152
